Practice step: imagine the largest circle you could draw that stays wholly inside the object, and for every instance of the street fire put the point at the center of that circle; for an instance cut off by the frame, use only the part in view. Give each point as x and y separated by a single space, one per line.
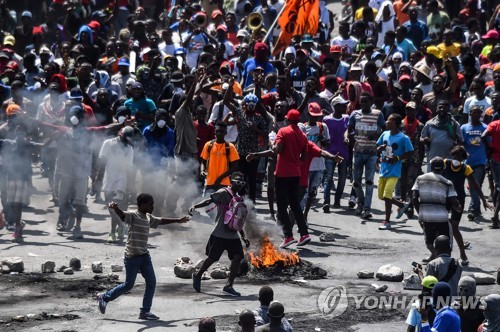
269 256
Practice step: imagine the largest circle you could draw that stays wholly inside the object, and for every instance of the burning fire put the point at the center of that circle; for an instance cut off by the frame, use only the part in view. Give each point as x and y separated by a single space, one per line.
269 256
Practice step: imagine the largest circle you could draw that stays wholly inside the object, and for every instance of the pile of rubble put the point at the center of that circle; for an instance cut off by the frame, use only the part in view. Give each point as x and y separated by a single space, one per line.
14 265
184 268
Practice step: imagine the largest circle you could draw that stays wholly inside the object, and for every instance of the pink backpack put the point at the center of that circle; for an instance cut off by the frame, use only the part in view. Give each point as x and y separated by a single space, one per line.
236 212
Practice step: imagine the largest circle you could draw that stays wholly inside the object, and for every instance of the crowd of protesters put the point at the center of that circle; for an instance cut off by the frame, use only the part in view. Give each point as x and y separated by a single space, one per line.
115 97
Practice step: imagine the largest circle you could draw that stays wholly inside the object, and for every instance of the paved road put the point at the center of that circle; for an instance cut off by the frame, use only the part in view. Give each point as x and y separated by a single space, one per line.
359 245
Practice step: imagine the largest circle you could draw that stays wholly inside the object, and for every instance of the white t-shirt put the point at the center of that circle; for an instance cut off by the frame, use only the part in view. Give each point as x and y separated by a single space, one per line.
351 43
232 131
312 133
473 101
119 160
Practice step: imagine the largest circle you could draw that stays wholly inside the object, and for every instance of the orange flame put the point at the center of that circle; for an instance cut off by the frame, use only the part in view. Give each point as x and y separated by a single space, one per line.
269 256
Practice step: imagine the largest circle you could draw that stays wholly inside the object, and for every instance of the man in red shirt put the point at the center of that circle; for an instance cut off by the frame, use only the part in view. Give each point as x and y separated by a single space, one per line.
493 132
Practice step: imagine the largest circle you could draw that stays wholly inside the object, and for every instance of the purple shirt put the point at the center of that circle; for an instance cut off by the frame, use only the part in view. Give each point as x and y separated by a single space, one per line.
337 129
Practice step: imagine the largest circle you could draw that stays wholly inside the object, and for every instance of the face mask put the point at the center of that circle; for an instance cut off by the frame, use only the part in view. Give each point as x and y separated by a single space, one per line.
74 120
455 163
378 63
121 119
161 123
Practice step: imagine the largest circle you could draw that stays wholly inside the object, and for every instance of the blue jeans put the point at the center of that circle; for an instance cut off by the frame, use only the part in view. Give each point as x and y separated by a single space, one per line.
132 267
342 173
475 203
368 162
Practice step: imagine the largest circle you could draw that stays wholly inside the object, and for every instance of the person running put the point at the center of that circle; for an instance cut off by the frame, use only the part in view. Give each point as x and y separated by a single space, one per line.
222 237
137 256
394 146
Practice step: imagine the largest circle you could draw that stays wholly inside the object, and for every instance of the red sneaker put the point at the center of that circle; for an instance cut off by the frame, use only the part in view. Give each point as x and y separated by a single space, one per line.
288 241
304 240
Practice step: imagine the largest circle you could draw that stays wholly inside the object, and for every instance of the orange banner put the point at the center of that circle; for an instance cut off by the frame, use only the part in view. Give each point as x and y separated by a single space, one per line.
299 17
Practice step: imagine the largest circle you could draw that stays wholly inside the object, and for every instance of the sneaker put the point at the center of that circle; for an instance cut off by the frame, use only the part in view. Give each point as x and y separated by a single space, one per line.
196 283
11 228
385 226
402 210
304 240
77 233
111 238
61 226
101 303
359 210
148 316
18 238
71 223
336 205
352 202
366 215
288 241
120 234
229 290
326 208
471 216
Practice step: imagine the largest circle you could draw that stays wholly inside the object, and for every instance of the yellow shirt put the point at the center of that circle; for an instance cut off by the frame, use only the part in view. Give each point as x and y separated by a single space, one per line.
358 16
453 50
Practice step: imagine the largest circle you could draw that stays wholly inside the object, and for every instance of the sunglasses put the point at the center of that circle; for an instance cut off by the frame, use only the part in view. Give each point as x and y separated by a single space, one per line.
239 183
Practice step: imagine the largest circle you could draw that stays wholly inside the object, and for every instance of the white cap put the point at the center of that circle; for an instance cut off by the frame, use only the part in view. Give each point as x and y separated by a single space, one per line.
397 55
291 50
338 100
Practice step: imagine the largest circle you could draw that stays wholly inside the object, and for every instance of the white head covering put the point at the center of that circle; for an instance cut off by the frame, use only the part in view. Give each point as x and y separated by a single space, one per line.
378 18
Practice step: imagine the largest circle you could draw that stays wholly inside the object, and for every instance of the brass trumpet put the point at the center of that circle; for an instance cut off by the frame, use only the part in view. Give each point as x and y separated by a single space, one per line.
200 20
254 21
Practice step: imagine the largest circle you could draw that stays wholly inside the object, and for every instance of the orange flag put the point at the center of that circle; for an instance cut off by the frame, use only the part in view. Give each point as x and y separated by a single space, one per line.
299 17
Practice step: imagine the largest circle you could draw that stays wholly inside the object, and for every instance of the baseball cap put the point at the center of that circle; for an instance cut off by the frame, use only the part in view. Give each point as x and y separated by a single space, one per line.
290 50
314 109
429 282
492 34
27 13
338 100
222 27
216 13
293 115
411 104
243 33
136 85
75 93
307 39
9 40
176 77
437 163
124 62
13 65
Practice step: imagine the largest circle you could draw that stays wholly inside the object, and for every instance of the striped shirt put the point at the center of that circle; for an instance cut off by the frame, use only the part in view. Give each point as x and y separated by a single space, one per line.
138 232
367 128
433 190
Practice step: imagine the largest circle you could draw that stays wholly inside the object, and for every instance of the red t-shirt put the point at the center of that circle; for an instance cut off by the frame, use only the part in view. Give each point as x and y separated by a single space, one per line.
294 145
205 134
494 130
313 151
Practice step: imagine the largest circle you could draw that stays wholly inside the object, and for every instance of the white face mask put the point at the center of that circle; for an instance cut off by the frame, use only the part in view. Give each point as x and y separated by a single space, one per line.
161 123
121 119
74 120
378 63
455 163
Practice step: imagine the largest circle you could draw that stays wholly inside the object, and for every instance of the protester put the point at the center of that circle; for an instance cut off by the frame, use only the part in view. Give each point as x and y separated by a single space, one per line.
137 256
222 237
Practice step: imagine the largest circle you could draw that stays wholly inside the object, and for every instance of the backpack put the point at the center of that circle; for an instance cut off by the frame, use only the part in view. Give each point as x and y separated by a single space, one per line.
210 146
236 212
